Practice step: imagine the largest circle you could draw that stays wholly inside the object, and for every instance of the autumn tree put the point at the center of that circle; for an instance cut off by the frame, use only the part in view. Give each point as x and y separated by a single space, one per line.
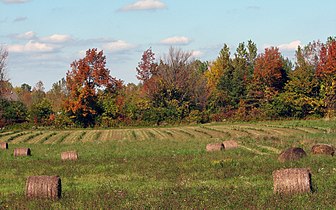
326 72
147 66
86 77
301 94
57 95
3 79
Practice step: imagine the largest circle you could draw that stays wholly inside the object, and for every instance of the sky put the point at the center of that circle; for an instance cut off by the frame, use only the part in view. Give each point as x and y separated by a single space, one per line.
43 37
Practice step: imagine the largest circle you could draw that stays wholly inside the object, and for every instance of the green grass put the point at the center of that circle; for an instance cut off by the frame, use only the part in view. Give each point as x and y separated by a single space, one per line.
171 173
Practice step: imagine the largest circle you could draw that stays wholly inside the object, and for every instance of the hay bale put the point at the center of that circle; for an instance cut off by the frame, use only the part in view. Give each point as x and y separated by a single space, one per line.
69 155
44 187
323 149
292 154
292 181
22 152
230 144
4 145
214 147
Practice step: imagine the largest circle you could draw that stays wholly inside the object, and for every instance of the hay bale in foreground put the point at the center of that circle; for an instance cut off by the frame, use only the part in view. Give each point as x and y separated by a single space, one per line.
323 149
4 145
69 155
44 187
22 152
231 144
214 147
292 181
292 154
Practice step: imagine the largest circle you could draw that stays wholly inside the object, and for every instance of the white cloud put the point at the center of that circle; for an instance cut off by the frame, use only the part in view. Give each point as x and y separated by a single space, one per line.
27 36
176 40
144 5
31 46
118 46
57 38
14 1
196 53
290 46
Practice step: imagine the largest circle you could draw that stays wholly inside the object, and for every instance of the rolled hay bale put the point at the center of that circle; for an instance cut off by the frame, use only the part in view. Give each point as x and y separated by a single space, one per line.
69 155
323 149
292 154
44 187
4 145
231 144
292 181
22 152
214 147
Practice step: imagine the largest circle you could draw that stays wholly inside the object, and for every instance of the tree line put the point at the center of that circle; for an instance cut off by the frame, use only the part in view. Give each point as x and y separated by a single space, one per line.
179 89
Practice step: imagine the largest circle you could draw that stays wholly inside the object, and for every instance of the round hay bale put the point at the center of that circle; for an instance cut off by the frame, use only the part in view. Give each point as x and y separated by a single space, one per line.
69 155
4 145
22 152
292 154
292 181
44 187
323 149
231 144
214 147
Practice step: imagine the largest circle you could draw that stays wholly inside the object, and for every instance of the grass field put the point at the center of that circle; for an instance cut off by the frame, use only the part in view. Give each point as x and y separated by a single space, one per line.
168 168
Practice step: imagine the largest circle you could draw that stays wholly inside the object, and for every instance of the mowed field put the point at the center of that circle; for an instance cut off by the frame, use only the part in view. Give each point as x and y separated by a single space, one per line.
168 168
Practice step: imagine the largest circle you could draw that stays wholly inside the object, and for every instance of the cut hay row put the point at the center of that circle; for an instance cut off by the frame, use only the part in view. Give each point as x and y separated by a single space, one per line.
26 137
250 131
272 149
116 134
105 135
89 136
72 137
235 133
216 133
39 138
11 138
253 150
166 133
203 132
55 138
159 134
45 138
141 135
184 134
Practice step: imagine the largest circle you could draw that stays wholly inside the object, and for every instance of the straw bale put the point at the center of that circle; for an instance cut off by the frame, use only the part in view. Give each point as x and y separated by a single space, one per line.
44 187
292 154
292 181
22 152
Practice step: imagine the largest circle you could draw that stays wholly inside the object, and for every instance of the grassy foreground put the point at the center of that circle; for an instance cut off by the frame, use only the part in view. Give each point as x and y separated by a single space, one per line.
168 168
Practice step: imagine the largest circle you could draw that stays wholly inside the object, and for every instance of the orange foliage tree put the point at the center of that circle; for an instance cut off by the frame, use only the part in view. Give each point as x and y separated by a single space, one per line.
86 76
326 72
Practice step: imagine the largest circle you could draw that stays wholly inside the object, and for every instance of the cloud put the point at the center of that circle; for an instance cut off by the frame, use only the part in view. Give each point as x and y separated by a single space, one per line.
26 36
176 40
118 46
144 5
14 1
31 46
20 19
196 53
290 46
57 38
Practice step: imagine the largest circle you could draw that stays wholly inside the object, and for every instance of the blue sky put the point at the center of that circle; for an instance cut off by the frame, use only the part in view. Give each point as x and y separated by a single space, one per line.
44 36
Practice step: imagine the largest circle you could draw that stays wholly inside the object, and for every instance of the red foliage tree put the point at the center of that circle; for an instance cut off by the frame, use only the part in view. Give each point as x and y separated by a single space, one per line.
146 67
268 70
327 64
86 76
